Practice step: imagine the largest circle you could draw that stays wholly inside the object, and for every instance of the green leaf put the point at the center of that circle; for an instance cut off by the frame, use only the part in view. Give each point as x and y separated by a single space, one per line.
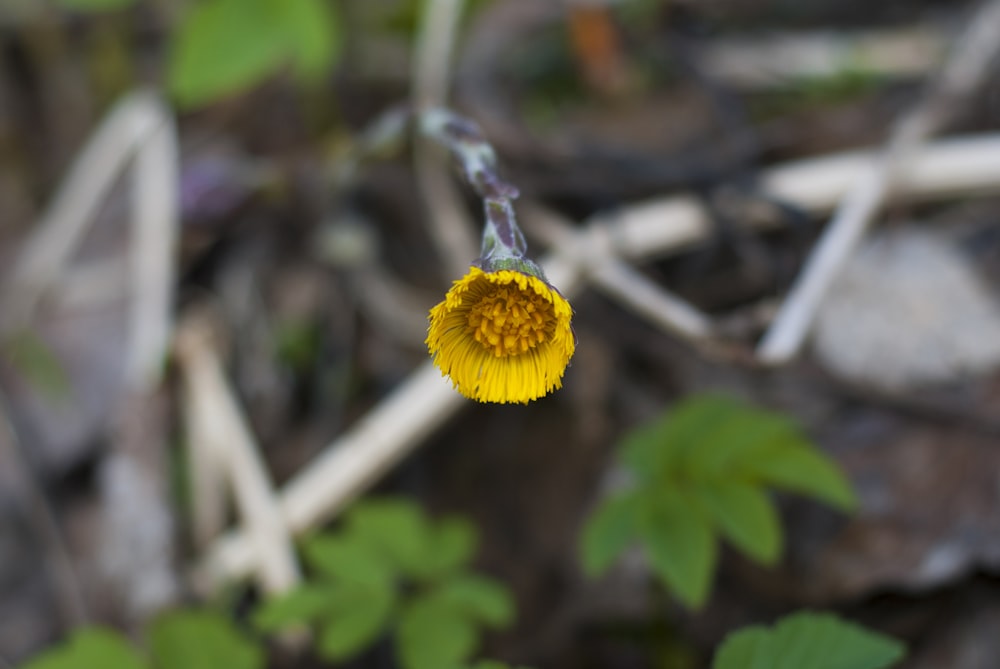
748 648
304 604
453 542
804 471
346 559
478 598
745 516
679 544
90 647
740 434
433 636
808 641
607 533
314 36
201 640
96 5
224 46
357 618
660 448
396 530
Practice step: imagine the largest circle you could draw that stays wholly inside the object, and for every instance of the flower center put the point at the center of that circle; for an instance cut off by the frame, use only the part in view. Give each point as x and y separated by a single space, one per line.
510 322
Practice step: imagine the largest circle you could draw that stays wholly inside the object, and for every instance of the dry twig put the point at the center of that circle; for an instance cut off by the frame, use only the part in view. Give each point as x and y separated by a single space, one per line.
133 122
449 223
139 127
966 68
217 429
617 278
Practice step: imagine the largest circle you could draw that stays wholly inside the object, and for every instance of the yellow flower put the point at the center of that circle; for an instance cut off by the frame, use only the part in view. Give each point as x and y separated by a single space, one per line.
502 336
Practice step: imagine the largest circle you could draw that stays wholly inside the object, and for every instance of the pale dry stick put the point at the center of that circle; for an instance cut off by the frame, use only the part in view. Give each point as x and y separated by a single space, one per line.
449 222
961 167
782 58
218 425
207 471
38 267
139 126
155 231
617 278
138 521
963 72
207 464
356 459
433 52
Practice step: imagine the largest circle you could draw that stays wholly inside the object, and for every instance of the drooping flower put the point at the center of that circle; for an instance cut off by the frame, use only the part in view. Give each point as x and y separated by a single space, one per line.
503 335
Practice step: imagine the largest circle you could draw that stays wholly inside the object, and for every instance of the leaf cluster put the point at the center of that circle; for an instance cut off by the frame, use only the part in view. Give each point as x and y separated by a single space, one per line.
223 46
703 471
184 639
390 570
808 641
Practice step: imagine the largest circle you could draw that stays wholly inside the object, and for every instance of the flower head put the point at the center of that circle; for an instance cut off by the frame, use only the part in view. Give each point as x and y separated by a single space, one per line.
502 335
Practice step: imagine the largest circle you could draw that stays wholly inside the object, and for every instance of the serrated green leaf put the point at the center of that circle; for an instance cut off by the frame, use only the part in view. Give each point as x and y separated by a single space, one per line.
357 616
224 46
314 35
304 604
745 516
477 598
90 647
346 559
806 472
608 531
453 543
433 636
96 5
201 640
678 541
808 641
396 530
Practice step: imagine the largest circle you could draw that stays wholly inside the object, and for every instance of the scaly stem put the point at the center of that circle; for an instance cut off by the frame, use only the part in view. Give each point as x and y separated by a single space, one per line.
504 246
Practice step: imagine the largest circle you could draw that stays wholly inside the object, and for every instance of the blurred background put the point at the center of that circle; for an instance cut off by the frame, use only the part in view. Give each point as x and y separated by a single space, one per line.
203 240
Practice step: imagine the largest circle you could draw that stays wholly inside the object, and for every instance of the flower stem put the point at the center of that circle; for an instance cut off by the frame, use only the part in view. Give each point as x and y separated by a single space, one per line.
503 241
